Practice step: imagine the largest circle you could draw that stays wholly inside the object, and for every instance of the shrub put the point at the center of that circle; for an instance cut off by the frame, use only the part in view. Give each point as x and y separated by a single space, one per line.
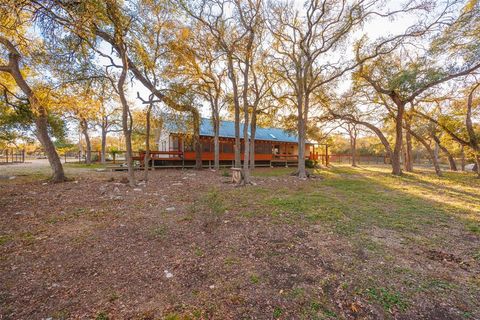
311 163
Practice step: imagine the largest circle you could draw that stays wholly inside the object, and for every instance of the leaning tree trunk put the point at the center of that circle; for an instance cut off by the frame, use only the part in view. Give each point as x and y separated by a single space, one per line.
41 124
84 127
146 165
430 151
451 160
39 112
380 135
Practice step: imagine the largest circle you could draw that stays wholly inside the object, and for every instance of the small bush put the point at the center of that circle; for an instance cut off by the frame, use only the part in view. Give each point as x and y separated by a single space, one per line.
277 312
102 316
225 173
311 163
255 279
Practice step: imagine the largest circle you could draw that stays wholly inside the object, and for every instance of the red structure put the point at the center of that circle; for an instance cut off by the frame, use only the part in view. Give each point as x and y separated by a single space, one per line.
273 146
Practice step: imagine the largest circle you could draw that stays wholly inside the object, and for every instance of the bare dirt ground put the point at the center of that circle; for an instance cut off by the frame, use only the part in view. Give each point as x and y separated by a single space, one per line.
350 244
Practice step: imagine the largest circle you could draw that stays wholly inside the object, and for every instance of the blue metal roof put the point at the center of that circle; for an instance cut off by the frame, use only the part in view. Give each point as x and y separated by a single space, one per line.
227 130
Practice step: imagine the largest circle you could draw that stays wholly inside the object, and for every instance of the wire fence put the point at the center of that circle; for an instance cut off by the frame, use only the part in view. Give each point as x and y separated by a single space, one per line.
347 158
12 156
96 156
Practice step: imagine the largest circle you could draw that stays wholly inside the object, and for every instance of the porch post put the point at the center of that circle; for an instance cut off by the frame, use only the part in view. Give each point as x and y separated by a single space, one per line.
326 155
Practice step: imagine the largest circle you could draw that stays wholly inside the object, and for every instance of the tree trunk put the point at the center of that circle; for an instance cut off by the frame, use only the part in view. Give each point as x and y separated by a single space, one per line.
40 113
216 144
436 165
396 163
431 153
246 125
408 148
146 165
353 147
103 153
41 124
463 157
84 128
477 157
471 130
379 134
126 119
236 103
451 160
253 130
302 171
246 152
436 157
196 140
216 141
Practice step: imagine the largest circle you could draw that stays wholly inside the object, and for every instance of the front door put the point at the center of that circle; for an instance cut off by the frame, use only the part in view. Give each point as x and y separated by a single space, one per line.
276 149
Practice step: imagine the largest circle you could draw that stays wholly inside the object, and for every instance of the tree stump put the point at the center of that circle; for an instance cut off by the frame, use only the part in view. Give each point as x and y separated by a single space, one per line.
236 175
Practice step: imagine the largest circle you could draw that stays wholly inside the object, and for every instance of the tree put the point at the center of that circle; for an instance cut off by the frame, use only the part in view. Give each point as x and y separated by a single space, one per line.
431 152
448 154
402 83
16 119
466 135
353 131
121 24
404 78
80 103
11 65
235 26
88 22
148 117
307 43
347 108
197 64
216 17
262 100
108 122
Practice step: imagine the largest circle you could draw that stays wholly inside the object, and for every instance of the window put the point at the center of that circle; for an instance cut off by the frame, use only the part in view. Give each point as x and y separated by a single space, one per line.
226 147
263 148
207 146
164 146
276 149
174 144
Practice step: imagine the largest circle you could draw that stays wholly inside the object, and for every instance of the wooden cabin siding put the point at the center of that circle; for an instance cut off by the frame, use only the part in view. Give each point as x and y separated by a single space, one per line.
264 150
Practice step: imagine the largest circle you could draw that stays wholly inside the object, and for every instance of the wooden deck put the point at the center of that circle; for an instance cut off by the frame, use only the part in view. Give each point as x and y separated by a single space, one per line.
178 160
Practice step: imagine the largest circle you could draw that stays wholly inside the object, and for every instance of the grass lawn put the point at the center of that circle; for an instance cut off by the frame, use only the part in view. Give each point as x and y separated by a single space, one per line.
351 243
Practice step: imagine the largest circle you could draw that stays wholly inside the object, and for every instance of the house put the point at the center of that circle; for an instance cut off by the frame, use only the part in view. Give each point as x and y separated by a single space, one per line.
272 145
